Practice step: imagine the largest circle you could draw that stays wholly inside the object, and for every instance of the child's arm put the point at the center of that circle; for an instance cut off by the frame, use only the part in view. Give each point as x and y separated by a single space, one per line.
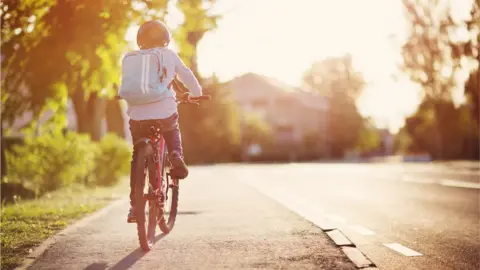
185 75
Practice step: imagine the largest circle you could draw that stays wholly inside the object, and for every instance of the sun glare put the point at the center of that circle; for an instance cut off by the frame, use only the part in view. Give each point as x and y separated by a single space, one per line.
281 39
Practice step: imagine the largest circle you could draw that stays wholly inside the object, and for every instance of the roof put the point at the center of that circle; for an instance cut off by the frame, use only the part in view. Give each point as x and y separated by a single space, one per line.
263 85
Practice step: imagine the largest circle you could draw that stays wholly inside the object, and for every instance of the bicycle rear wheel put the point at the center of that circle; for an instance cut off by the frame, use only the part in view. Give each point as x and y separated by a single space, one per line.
168 213
144 170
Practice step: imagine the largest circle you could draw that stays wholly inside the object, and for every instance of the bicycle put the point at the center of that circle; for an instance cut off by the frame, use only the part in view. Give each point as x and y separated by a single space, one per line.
152 163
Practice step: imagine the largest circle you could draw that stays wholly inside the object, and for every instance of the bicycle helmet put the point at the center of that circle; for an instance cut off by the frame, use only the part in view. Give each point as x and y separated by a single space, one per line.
153 34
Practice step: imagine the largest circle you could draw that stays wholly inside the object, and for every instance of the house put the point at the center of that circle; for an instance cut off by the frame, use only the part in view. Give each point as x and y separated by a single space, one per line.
293 114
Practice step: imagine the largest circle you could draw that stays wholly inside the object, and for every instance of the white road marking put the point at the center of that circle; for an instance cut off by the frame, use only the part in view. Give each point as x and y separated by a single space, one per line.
361 230
403 250
457 183
418 180
336 218
443 182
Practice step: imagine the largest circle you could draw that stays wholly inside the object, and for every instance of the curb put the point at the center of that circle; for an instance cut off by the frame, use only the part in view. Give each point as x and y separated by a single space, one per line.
349 248
358 258
339 238
38 251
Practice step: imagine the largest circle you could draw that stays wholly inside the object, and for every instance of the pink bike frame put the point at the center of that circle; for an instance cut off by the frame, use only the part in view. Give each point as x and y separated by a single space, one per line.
160 148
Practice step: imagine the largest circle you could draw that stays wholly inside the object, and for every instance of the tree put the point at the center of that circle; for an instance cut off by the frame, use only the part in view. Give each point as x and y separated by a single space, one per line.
369 138
255 131
472 92
436 52
20 33
455 124
210 132
198 21
67 49
336 79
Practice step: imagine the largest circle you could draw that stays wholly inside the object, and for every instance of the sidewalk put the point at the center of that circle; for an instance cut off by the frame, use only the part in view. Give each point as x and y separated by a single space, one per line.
222 223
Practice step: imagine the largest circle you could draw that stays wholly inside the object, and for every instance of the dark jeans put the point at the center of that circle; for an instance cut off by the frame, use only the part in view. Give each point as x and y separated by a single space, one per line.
170 132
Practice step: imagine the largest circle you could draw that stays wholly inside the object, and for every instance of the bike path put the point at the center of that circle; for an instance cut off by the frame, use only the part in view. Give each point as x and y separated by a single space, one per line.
222 224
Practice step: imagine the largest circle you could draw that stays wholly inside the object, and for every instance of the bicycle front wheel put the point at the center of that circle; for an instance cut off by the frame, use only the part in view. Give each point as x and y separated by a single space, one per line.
142 174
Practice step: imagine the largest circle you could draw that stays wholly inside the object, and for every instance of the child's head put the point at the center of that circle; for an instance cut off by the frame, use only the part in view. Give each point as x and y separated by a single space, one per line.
153 34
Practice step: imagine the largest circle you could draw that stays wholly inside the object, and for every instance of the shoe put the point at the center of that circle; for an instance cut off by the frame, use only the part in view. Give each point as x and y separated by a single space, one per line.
131 216
179 168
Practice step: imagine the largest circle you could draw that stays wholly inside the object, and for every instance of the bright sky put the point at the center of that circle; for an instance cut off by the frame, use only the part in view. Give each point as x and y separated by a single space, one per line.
281 39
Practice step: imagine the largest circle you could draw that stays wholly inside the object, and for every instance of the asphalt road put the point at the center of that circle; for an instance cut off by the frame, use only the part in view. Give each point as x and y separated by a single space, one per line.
400 216
258 216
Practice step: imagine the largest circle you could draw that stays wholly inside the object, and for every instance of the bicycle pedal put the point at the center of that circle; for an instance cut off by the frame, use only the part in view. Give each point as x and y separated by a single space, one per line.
131 219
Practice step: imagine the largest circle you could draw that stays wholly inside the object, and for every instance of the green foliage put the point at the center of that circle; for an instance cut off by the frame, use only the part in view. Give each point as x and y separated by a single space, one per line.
49 46
432 54
21 32
198 21
342 84
402 141
257 131
51 160
433 57
210 132
443 131
472 91
368 139
26 224
313 148
112 161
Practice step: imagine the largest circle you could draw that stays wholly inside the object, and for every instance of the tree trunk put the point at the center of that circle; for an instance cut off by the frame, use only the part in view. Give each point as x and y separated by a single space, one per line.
89 112
78 100
96 106
114 116
439 131
3 169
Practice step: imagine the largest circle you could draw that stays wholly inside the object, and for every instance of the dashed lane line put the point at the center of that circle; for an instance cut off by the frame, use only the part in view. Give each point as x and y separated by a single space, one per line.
462 184
442 182
403 249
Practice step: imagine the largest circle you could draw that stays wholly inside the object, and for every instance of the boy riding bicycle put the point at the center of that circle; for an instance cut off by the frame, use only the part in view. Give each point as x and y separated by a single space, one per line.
151 99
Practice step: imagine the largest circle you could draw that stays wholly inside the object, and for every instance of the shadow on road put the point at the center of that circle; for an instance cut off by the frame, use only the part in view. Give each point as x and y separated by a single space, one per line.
97 266
127 261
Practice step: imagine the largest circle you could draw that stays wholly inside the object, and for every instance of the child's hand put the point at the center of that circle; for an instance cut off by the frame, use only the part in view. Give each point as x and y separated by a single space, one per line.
189 97
192 100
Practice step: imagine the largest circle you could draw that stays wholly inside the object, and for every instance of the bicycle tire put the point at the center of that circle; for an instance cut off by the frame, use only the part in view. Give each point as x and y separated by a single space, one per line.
168 217
143 168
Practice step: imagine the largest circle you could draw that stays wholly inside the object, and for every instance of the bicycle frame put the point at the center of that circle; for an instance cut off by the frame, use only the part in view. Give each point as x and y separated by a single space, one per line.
159 148
160 156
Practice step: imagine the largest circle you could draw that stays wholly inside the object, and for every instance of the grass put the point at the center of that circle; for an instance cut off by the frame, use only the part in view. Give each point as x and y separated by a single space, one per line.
26 224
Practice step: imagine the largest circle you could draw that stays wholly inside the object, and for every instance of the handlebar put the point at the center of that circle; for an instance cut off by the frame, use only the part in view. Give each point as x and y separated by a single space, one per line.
183 99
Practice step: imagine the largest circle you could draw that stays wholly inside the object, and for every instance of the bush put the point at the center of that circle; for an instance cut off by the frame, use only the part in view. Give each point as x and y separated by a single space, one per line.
51 160
112 160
